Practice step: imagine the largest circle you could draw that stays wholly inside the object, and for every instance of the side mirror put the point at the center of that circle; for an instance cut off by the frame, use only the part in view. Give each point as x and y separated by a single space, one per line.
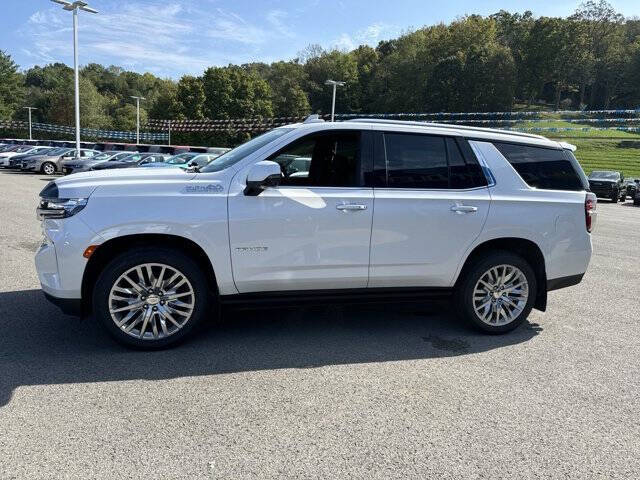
192 163
262 175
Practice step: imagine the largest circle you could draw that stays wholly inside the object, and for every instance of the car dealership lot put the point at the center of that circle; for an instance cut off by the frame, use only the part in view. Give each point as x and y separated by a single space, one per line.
383 391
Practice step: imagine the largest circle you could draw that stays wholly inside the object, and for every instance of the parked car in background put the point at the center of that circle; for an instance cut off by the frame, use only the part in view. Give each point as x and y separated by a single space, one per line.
131 161
51 162
21 156
20 150
217 151
185 161
492 219
174 160
608 184
84 165
631 186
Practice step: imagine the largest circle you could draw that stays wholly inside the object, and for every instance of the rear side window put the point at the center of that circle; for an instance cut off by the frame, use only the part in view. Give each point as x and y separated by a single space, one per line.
416 161
408 160
540 167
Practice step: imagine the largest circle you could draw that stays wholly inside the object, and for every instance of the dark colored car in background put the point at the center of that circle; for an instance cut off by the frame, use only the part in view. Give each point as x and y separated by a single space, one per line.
86 164
608 184
132 161
631 186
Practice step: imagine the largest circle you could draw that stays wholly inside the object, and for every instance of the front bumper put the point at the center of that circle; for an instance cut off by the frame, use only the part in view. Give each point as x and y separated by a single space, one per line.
69 306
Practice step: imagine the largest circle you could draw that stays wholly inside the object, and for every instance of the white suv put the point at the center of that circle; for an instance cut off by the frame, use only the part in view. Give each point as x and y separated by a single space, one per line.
368 210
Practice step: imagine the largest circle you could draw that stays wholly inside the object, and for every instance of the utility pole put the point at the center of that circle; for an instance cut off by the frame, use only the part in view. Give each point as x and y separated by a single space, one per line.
74 7
333 100
138 117
30 108
169 132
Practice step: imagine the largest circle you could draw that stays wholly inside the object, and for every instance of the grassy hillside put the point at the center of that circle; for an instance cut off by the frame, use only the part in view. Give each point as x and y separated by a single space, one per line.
598 149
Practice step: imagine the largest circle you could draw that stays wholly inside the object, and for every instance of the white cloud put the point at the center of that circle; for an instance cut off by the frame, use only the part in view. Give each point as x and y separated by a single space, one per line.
166 36
277 18
369 35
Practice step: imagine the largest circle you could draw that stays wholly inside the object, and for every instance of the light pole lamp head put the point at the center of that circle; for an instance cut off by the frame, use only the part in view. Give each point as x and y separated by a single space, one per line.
72 6
335 82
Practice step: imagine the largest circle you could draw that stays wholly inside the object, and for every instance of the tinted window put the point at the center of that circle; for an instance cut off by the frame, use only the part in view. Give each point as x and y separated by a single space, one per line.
415 161
463 173
322 160
542 167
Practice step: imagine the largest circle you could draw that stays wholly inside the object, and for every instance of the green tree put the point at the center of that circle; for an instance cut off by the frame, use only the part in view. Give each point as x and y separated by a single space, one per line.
11 86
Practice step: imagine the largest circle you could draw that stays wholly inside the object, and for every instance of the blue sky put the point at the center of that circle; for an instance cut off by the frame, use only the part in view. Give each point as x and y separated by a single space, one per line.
171 38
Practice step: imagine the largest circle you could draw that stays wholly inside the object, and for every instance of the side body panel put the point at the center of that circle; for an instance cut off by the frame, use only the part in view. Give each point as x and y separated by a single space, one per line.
553 219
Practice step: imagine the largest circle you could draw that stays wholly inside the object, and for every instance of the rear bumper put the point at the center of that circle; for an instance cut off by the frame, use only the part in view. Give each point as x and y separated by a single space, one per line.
564 282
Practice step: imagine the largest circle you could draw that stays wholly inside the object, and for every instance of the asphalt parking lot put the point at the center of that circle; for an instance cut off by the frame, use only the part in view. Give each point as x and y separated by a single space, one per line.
391 391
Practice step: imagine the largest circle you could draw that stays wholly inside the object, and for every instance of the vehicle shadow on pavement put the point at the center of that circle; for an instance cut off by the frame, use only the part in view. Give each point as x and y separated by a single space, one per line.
41 346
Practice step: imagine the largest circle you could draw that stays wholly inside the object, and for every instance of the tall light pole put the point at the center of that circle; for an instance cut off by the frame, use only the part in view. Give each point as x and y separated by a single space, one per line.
30 108
138 117
74 7
333 101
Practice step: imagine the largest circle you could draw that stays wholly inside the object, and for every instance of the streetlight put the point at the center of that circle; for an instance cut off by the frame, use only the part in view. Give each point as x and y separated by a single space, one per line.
30 108
333 101
74 7
138 117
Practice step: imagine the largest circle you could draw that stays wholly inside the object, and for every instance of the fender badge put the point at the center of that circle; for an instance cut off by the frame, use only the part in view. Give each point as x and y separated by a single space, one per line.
251 249
210 188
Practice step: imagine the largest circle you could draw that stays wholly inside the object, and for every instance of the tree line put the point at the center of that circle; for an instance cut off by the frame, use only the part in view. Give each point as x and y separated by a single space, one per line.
590 60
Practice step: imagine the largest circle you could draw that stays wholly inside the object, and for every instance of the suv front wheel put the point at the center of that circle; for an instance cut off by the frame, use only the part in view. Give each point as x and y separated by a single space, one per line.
497 292
151 297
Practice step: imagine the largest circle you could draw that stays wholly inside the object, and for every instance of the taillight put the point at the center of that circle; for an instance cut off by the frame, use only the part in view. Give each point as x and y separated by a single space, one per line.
590 204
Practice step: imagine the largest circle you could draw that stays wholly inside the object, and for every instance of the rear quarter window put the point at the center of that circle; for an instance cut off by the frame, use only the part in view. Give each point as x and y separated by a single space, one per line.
543 168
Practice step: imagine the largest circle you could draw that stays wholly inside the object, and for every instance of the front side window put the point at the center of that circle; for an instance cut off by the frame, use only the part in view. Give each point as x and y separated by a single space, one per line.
321 160
540 167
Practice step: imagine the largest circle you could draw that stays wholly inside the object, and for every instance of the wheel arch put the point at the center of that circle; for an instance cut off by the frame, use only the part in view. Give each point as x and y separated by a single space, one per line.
112 247
527 249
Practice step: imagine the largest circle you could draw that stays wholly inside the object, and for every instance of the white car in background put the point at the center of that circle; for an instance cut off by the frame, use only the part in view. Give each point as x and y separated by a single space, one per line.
21 150
383 210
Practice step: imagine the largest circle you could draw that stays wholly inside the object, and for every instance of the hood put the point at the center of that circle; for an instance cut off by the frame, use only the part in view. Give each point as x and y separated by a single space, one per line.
82 185
602 180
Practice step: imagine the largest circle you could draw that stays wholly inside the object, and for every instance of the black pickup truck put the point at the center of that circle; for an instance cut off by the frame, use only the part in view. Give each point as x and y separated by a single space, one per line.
606 184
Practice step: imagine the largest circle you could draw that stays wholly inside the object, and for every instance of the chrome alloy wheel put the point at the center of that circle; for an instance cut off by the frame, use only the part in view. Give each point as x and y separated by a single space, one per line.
151 301
48 169
500 295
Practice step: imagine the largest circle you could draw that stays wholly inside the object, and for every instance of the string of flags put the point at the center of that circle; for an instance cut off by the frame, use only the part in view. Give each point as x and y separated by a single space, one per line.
162 128
87 132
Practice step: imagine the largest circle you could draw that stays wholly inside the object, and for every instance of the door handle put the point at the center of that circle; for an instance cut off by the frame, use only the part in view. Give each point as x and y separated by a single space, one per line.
462 209
351 207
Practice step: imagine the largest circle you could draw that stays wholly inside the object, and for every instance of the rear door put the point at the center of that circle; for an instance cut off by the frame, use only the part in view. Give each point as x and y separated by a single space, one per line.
431 201
314 230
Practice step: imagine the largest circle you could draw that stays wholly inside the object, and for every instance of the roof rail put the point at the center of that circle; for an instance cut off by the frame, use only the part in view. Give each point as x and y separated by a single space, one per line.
446 125
315 118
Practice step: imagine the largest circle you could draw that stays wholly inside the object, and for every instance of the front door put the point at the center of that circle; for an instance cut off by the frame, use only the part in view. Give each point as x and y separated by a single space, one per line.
314 230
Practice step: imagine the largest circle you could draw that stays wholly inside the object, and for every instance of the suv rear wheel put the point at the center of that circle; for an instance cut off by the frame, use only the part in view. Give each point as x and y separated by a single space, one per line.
151 297
497 292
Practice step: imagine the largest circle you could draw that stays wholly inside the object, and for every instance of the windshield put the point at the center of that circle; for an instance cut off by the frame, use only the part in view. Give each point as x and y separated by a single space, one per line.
23 149
101 156
57 151
181 158
234 156
131 158
605 175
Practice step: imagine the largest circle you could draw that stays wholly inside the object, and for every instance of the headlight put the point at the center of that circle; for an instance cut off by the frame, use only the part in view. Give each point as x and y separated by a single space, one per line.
59 207
53 207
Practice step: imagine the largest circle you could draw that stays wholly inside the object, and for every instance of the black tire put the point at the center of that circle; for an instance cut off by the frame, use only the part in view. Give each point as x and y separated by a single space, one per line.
141 255
48 168
463 296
